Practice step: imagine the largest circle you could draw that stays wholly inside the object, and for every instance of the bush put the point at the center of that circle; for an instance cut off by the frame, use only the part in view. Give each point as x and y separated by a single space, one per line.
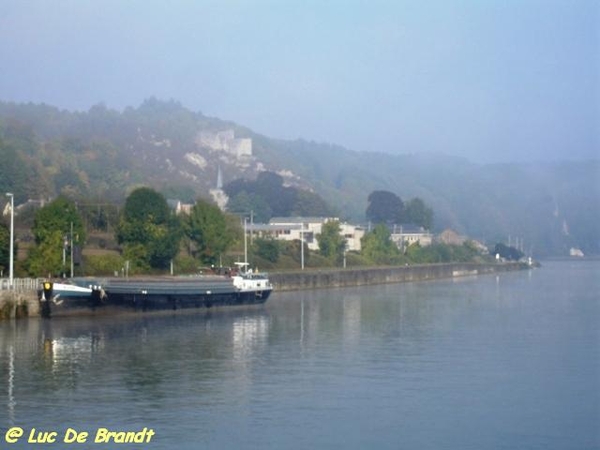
184 264
103 264
267 249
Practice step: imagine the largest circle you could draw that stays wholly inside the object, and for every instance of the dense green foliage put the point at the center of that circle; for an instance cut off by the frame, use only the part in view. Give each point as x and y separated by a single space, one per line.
209 231
331 243
53 239
267 197
149 234
266 249
378 247
96 157
244 204
4 247
386 207
148 230
20 171
418 213
442 253
105 265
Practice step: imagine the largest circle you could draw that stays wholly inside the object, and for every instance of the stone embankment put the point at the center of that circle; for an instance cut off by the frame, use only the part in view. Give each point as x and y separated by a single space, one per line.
331 278
16 304
23 302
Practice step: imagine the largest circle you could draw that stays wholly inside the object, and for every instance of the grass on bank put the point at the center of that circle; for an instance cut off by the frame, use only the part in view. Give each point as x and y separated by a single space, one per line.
102 262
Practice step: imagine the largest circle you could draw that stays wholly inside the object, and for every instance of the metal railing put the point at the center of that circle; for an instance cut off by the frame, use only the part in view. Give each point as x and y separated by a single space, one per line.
20 284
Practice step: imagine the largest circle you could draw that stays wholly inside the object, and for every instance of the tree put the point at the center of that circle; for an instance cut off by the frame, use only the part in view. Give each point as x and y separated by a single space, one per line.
331 243
45 259
280 198
418 213
243 203
385 207
149 232
378 246
4 246
267 249
267 196
210 231
51 229
310 204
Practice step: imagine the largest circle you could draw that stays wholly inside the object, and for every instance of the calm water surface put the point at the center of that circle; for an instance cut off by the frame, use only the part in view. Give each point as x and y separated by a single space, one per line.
491 362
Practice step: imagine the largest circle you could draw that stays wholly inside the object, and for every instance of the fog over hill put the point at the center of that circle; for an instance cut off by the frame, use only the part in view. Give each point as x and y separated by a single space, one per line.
101 154
491 81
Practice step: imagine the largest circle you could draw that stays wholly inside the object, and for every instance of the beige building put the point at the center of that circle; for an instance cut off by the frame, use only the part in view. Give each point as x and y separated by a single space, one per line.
179 207
451 237
406 235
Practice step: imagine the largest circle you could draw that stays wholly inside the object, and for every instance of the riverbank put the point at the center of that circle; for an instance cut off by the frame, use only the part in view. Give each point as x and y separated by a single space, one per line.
24 303
334 278
19 304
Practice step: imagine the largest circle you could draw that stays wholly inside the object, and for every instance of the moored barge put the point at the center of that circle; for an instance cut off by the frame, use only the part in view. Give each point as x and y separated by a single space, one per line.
85 295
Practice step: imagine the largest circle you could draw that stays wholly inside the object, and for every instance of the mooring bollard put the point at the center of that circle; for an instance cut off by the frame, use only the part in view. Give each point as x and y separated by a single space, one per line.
45 299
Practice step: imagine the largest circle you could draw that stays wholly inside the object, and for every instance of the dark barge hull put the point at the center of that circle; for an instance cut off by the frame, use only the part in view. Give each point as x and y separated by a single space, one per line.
142 295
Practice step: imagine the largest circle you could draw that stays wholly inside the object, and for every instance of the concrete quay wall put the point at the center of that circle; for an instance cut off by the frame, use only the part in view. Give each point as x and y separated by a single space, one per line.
20 303
332 278
17 304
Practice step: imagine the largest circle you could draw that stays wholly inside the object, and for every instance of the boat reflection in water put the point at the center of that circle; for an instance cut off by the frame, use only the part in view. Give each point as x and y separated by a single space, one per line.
138 356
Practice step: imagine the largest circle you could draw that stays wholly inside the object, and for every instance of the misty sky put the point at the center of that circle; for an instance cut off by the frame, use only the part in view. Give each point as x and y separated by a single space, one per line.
505 80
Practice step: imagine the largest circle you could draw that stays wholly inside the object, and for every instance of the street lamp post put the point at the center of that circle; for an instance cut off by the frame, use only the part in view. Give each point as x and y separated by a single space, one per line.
12 237
302 247
245 242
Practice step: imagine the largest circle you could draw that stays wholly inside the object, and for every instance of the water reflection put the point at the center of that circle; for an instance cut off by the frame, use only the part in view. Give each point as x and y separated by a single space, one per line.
352 318
146 358
249 334
140 359
427 365
11 386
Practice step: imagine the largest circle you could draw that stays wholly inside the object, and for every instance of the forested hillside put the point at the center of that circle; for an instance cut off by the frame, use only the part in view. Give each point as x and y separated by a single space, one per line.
100 155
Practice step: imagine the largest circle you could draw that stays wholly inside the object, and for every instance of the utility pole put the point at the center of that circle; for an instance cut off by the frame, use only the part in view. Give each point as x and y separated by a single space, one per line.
245 242
251 225
71 249
302 247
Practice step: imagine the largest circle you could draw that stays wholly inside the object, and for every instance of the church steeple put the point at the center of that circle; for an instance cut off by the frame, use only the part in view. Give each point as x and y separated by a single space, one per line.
218 194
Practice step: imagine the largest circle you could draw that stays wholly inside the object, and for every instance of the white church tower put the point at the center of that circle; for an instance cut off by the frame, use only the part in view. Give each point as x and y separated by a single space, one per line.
218 194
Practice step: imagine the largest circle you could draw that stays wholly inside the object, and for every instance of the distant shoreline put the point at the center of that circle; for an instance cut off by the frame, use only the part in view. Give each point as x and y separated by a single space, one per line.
25 303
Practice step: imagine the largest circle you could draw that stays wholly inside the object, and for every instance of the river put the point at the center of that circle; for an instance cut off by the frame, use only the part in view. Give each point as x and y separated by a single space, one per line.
508 361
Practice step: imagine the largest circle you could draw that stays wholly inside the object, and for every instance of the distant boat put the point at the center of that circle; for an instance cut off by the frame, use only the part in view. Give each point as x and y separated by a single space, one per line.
86 296
575 252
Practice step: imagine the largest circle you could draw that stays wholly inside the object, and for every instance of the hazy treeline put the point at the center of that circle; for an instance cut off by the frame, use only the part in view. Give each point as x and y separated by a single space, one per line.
100 155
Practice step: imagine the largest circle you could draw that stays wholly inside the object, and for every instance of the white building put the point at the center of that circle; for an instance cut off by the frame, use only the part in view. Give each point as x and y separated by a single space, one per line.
307 229
353 235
